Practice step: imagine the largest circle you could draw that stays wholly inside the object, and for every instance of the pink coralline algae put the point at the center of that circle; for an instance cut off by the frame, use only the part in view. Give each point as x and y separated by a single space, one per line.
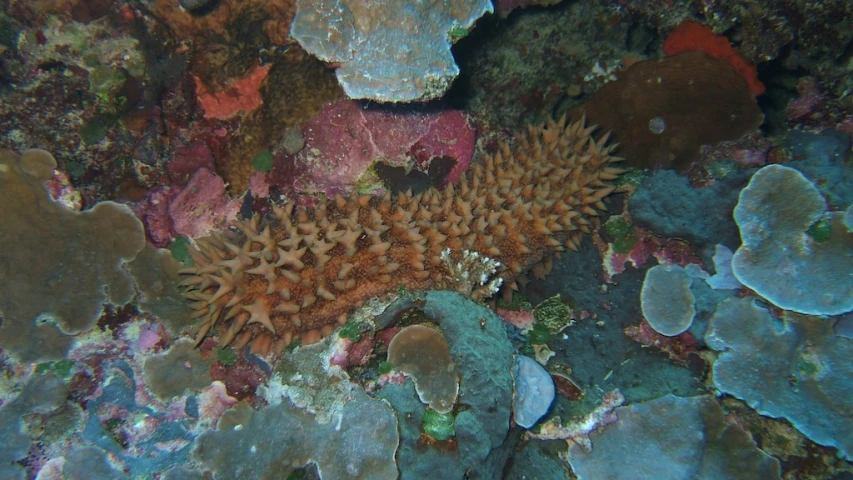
61 190
202 206
352 354
679 348
647 245
346 139
751 150
213 402
810 100
577 431
188 159
195 210
154 213
518 318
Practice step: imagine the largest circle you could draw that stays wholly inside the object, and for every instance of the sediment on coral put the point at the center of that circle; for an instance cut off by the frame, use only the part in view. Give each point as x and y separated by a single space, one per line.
299 271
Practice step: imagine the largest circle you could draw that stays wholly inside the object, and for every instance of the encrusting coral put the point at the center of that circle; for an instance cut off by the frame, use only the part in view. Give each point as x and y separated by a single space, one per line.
299 272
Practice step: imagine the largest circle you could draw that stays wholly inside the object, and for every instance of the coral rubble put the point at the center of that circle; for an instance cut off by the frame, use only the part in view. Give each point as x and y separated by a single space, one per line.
301 271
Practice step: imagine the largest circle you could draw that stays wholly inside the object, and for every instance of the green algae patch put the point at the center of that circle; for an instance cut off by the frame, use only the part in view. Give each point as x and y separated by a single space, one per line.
422 353
623 234
180 249
821 230
226 356
351 331
61 368
553 314
538 335
263 161
385 367
438 425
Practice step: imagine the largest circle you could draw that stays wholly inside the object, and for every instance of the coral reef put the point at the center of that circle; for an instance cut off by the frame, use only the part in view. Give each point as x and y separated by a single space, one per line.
293 215
43 305
387 52
798 370
662 111
533 393
783 258
422 353
666 299
672 437
301 271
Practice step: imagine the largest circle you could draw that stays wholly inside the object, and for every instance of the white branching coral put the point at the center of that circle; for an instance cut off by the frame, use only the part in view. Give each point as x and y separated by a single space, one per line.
473 274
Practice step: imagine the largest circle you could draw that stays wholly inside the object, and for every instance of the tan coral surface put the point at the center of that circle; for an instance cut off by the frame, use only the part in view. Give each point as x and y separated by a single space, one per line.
301 271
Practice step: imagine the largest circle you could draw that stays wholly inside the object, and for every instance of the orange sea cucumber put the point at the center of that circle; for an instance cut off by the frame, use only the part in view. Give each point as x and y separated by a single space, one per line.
299 272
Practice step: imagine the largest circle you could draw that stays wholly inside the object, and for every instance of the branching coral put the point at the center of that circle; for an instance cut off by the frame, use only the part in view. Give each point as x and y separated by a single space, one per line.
299 272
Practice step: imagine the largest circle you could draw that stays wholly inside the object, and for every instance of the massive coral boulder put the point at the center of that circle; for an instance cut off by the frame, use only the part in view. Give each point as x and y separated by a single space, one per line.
662 111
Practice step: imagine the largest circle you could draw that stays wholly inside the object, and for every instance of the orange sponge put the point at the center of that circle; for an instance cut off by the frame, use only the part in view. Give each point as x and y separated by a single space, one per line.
692 35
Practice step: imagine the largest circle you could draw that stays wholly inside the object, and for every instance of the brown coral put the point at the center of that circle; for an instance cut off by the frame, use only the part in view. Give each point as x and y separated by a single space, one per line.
302 271
58 267
662 111
422 352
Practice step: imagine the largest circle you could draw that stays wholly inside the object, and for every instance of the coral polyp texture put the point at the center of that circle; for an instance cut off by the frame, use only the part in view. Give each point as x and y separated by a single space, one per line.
300 271
387 51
